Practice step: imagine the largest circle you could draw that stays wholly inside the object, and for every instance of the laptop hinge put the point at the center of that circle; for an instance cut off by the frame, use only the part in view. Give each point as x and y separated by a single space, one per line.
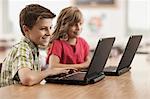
124 70
96 77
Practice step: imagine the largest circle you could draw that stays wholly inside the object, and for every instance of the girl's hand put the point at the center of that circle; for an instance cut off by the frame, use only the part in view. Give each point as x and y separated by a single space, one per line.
56 71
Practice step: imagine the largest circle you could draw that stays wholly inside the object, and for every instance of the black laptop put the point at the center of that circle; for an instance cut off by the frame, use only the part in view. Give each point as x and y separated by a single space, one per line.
95 71
126 59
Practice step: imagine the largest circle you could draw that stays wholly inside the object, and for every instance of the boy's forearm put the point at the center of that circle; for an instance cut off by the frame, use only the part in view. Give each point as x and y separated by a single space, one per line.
37 77
32 77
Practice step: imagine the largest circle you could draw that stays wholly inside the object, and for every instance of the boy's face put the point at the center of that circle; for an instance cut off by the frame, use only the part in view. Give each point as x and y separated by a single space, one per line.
75 30
41 32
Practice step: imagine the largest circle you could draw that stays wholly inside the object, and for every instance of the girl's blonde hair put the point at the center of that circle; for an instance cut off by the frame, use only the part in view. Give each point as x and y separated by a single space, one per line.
67 17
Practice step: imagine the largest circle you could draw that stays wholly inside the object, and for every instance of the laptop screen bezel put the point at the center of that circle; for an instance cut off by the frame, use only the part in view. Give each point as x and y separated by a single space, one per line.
137 39
100 44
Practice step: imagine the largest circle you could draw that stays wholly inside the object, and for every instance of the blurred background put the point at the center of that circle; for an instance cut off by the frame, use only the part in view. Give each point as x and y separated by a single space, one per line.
102 18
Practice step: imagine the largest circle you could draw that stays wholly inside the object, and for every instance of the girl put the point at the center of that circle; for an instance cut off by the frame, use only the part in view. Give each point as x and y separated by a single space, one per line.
68 49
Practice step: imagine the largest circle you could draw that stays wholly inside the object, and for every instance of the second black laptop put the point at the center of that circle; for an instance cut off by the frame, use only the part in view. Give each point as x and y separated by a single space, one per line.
95 70
126 59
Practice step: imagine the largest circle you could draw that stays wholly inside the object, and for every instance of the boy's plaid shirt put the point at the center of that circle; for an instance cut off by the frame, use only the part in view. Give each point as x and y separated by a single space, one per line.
23 54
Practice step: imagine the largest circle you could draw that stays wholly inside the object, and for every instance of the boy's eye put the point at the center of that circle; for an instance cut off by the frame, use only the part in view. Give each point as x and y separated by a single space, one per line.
43 28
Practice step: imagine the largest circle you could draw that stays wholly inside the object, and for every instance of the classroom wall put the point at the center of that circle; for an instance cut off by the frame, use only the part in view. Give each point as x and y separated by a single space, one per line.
113 18
113 22
0 17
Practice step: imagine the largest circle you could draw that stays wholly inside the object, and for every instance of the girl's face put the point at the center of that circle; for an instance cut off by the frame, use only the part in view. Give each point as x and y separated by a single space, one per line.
75 30
41 32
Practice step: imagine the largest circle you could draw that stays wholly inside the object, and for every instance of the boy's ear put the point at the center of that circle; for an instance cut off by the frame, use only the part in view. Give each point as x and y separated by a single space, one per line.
25 29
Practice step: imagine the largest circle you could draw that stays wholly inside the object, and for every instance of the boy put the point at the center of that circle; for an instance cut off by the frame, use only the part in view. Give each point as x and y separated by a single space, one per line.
22 63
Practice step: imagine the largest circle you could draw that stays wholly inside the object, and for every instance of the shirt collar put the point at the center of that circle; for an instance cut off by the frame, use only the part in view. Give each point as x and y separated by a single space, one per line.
31 44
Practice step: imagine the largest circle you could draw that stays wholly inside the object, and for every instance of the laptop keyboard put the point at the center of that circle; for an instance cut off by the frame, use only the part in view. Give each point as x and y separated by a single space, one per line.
74 76
62 74
110 68
71 76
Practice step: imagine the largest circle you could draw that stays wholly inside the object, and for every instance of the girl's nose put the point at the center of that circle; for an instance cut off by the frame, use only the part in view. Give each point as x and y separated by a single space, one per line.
78 27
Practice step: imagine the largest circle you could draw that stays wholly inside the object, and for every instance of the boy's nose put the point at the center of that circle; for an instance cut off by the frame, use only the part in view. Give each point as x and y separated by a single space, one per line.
49 33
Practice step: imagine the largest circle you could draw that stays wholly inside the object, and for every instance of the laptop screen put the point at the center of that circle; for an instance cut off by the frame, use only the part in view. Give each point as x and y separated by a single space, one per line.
129 51
100 56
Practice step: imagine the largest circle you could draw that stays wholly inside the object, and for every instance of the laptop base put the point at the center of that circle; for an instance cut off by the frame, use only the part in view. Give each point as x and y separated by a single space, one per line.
75 81
70 82
117 73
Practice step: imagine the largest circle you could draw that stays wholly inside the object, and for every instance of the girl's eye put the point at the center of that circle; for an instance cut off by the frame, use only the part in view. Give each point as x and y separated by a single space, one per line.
80 23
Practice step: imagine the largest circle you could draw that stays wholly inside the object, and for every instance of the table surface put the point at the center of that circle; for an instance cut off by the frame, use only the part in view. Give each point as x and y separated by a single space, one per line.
134 84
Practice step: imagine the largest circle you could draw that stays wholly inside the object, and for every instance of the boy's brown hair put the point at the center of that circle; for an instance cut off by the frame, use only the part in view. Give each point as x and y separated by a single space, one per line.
31 14
67 17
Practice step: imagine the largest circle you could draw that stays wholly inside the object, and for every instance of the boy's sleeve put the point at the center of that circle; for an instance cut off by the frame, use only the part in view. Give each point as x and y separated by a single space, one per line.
23 59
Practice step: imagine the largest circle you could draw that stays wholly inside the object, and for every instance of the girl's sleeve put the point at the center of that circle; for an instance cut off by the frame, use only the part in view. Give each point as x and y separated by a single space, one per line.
56 49
87 48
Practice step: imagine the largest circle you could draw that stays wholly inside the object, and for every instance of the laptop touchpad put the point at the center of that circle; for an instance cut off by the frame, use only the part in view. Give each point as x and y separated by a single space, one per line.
75 76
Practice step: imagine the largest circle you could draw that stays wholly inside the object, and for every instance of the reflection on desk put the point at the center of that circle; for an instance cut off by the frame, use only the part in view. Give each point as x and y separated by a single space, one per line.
134 84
